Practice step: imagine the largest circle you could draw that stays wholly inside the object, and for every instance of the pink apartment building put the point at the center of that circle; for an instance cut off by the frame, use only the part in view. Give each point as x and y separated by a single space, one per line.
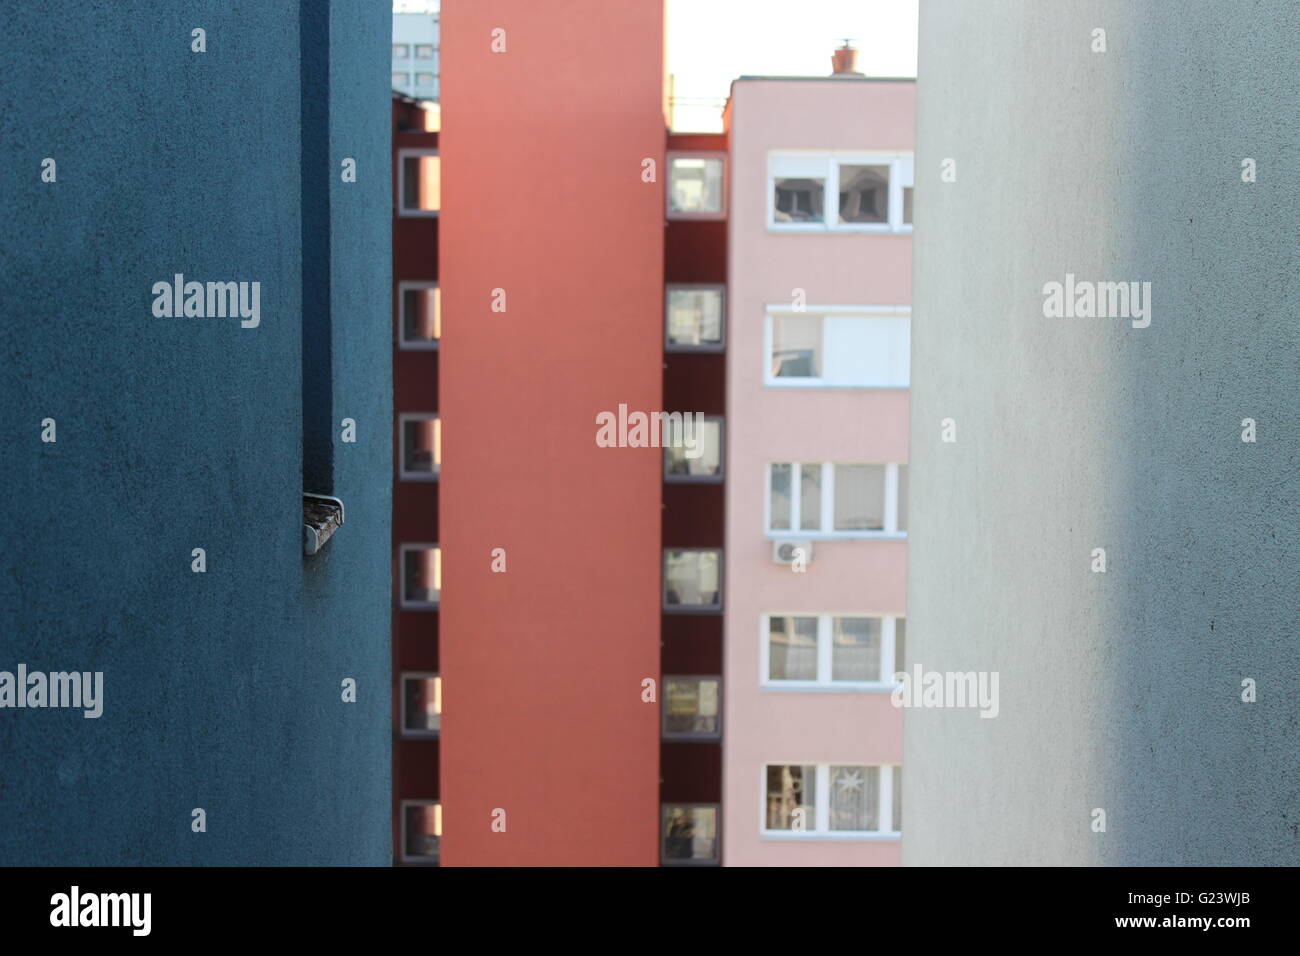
819 313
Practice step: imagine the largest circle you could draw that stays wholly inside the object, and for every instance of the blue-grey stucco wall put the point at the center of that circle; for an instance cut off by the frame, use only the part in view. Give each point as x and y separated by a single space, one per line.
1119 691
222 689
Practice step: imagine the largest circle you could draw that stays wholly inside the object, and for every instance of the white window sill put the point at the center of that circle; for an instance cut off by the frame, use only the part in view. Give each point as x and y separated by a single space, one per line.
817 228
771 535
818 383
846 836
830 687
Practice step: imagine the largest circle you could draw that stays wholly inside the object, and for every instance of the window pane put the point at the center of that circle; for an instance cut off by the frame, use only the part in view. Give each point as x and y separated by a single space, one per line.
401 79
420 446
423 696
695 317
859 497
401 51
421 315
902 497
424 79
691 706
695 185
864 193
424 51
779 482
690 833
796 346
423 830
792 648
692 579
799 200
707 439
422 576
810 498
855 798
855 648
898 799
790 789
907 205
421 183
900 644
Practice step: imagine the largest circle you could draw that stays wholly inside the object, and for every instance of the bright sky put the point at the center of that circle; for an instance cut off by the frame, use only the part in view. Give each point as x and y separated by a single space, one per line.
711 42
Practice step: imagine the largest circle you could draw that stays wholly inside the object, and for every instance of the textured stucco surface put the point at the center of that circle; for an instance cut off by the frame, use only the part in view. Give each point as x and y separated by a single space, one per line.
1120 690
222 689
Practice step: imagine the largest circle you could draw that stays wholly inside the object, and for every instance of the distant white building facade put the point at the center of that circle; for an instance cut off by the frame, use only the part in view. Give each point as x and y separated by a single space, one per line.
415 49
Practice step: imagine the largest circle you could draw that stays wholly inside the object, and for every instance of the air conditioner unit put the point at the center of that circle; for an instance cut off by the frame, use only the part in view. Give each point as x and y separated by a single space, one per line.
785 552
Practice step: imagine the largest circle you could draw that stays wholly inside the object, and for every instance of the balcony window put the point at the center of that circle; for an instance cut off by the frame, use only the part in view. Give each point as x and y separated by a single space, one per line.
421 576
420 446
421 705
691 708
421 318
706 465
421 831
419 174
690 834
695 186
694 318
692 580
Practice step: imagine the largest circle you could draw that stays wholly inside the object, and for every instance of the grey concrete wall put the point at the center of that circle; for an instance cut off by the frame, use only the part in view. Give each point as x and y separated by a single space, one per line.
222 689
1118 690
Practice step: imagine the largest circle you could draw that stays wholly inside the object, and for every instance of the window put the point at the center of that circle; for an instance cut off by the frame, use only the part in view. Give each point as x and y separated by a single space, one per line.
693 580
421 576
691 708
421 314
845 651
419 174
401 79
695 186
838 346
832 500
421 705
690 834
424 51
420 446
421 830
694 318
830 800
425 79
840 192
707 463
401 51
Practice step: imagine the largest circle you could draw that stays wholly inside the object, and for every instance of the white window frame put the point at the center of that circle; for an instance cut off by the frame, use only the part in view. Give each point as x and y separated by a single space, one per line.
695 154
722 459
402 210
405 858
402 473
826 517
403 343
671 346
820 829
889 664
406 733
717 833
663 710
401 569
866 312
901 165
691 608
